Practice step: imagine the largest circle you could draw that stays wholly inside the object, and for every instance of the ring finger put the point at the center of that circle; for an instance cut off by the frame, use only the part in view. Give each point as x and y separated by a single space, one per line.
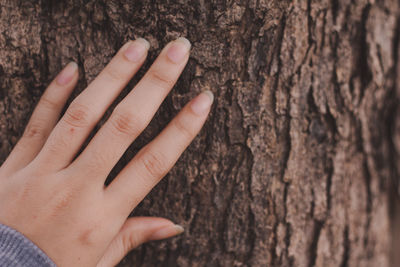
43 119
134 113
87 109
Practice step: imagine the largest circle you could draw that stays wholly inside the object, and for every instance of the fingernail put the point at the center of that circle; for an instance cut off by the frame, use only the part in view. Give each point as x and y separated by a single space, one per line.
137 49
67 74
168 231
201 104
178 49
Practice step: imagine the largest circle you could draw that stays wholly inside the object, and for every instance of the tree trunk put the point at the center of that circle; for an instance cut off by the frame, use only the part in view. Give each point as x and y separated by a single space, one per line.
297 162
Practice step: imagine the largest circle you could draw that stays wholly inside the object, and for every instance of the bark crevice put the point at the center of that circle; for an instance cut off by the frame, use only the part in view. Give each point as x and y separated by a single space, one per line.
291 168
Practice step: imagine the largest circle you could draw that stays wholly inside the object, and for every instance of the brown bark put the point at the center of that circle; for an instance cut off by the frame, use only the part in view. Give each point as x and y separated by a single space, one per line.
296 163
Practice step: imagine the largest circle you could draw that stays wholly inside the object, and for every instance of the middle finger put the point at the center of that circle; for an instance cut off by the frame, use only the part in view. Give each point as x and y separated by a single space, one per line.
86 110
134 112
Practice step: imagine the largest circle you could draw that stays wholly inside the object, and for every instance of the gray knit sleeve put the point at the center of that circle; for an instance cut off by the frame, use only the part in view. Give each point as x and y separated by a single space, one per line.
18 251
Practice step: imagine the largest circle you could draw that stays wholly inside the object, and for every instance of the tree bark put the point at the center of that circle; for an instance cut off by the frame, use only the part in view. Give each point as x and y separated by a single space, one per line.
297 163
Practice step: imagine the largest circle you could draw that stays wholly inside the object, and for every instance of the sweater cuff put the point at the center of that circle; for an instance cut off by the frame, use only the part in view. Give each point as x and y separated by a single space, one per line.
18 251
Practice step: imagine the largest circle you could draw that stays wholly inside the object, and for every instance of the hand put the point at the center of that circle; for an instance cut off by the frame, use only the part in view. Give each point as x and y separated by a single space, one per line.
58 200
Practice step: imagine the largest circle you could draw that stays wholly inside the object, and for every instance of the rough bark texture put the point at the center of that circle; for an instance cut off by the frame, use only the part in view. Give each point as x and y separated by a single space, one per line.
296 163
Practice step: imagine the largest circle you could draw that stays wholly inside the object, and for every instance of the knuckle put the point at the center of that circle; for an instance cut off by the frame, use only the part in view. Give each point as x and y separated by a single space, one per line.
115 74
35 130
63 201
90 227
77 115
126 123
87 237
154 163
183 128
130 241
48 103
160 79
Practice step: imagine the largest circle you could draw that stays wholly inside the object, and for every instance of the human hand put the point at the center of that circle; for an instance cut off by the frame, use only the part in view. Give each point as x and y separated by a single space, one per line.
58 200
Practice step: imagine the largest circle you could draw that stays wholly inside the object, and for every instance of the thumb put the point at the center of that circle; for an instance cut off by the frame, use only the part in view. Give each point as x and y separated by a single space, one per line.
134 232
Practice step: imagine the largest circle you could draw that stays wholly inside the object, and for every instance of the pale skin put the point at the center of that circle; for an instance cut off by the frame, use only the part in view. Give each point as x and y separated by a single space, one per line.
57 198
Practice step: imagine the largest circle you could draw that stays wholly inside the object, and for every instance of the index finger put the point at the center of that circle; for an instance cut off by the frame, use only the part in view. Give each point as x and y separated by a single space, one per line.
150 165
134 112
